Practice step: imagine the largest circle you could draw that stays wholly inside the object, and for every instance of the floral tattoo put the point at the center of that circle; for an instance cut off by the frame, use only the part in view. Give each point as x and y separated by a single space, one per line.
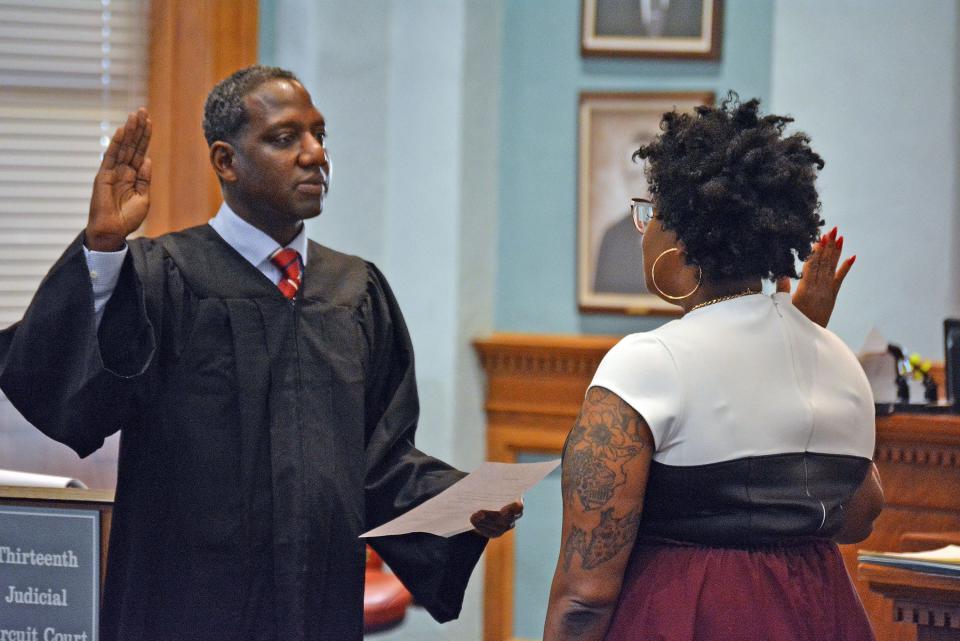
601 442
605 438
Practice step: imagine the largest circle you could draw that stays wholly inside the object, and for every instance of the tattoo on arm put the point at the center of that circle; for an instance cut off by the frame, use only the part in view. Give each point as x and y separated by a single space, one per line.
576 542
604 439
606 540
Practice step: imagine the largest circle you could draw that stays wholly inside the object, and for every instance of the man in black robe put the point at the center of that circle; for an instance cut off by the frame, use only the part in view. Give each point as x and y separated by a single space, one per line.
262 430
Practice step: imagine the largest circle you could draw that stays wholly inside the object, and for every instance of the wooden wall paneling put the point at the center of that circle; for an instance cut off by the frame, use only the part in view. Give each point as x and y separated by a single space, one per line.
193 45
536 383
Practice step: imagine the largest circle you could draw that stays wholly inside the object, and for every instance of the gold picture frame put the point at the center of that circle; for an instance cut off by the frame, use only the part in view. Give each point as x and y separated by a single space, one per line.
688 29
609 257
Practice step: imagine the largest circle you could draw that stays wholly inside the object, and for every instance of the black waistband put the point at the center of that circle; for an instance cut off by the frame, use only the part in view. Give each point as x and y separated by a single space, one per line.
746 502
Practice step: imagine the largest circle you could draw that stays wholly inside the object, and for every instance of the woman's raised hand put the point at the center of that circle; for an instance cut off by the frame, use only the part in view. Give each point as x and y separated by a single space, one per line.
821 279
121 189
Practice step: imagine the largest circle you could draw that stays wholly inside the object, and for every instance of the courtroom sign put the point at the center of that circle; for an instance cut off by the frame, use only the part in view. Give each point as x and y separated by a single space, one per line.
49 574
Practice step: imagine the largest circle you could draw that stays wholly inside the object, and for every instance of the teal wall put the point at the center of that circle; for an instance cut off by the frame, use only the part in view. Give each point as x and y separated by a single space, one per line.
454 135
877 86
543 74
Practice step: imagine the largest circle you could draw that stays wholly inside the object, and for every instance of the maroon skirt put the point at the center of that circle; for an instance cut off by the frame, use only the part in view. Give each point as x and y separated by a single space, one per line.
681 592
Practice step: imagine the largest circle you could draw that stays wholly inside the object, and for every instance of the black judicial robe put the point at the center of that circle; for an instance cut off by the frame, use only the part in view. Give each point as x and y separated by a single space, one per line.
259 438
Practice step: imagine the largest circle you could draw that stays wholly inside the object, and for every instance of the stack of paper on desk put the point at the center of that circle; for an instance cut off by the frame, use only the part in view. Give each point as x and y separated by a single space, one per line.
946 560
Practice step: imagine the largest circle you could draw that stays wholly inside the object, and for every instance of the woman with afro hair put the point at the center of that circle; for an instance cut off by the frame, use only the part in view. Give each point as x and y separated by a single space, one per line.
719 459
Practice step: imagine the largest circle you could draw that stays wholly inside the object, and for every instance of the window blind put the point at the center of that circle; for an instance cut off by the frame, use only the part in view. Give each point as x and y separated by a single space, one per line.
70 71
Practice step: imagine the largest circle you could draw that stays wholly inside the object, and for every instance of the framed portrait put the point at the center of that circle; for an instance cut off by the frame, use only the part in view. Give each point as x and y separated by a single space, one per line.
609 254
652 28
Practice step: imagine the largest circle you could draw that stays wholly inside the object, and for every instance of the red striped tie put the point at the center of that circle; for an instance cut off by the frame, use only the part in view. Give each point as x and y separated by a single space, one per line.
288 262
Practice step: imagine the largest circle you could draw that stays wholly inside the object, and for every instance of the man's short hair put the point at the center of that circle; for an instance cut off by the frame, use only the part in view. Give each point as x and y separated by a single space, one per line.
224 113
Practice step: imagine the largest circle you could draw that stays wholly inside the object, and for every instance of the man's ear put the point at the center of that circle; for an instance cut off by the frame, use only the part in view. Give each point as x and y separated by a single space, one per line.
222 158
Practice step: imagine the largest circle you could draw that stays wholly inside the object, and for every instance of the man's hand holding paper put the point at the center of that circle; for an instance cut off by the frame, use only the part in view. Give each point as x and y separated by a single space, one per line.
485 500
493 524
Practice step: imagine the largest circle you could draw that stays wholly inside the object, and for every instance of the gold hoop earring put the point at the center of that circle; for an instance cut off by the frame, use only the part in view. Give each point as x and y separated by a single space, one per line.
653 277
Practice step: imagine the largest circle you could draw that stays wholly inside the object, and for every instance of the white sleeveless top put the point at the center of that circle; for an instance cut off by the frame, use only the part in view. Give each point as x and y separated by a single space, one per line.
751 376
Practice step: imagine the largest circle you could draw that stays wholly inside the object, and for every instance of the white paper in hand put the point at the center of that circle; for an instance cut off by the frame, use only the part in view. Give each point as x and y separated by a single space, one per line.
490 487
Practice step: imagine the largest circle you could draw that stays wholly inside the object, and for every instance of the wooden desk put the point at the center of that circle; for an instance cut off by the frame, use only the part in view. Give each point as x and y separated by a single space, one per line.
928 601
919 461
536 383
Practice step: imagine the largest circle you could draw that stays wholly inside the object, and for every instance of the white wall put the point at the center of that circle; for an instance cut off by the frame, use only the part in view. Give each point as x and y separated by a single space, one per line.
875 83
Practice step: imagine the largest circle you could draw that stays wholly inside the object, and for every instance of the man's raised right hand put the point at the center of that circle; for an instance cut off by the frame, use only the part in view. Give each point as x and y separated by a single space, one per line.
121 190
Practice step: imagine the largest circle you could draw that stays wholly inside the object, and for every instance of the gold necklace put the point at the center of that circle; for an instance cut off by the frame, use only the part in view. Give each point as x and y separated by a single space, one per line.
720 299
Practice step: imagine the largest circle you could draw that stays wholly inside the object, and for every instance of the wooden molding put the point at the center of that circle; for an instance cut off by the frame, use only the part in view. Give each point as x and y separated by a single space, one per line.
918 455
193 45
518 357
920 541
535 386
926 600
928 440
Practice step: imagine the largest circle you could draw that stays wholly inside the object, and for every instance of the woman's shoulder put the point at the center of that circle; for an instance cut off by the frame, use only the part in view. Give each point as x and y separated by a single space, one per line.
647 343
637 357
661 346
640 370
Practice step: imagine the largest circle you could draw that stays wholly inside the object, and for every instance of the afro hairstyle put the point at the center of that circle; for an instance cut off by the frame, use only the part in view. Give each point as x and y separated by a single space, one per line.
737 192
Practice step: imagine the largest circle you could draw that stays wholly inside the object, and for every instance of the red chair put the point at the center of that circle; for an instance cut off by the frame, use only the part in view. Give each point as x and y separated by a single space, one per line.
385 599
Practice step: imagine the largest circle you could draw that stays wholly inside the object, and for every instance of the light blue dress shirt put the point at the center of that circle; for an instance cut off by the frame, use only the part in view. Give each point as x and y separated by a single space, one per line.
251 243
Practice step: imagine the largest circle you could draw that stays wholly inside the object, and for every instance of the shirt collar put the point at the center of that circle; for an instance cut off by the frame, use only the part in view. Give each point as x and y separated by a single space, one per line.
251 243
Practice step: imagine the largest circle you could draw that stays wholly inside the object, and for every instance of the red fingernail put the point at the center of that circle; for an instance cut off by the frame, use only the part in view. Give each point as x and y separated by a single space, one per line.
823 241
833 234
853 259
840 243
